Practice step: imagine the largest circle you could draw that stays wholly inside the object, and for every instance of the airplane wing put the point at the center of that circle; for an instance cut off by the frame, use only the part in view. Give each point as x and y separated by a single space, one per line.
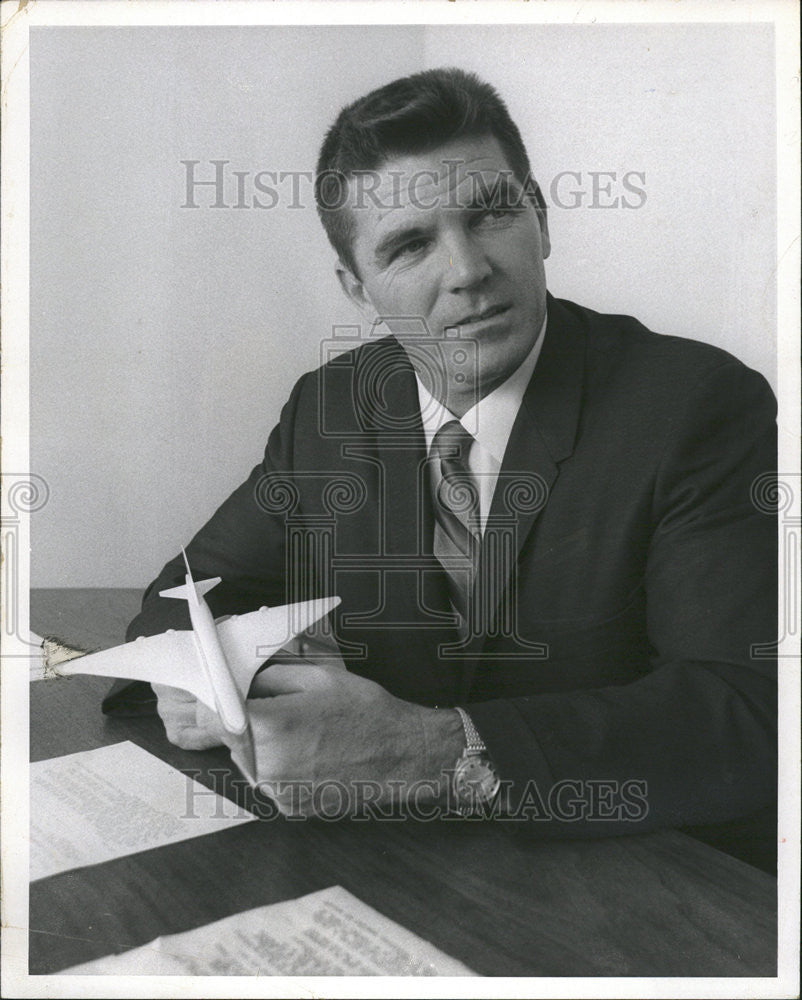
170 658
248 640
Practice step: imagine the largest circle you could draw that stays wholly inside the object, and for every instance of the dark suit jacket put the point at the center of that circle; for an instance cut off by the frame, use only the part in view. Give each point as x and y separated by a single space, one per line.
635 572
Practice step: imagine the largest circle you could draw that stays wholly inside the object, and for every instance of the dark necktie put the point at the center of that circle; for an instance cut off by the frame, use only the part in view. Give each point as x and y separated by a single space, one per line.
456 510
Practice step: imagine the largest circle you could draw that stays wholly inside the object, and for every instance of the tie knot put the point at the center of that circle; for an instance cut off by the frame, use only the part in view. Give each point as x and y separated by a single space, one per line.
452 444
457 490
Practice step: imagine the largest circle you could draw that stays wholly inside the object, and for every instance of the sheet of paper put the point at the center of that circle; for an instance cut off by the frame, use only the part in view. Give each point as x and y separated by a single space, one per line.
328 933
102 804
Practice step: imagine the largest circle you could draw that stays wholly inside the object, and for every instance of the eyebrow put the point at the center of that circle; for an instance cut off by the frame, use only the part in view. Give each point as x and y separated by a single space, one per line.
503 190
392 241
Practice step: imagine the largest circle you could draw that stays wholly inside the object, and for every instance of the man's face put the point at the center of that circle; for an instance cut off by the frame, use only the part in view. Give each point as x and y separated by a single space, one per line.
449 237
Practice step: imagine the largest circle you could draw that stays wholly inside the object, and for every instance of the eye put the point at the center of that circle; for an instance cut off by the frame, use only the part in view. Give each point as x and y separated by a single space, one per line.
410 248
494 213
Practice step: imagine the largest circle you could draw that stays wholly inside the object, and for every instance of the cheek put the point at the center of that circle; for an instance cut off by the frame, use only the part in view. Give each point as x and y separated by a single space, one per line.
405 293
524 253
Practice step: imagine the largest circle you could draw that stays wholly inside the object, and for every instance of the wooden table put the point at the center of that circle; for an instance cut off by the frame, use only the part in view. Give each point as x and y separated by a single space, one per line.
490 894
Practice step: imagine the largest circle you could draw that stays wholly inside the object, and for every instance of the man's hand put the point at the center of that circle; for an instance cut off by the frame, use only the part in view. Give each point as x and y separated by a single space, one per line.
188 722
327 741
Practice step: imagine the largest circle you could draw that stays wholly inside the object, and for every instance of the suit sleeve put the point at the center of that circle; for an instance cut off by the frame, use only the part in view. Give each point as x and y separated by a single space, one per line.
694 739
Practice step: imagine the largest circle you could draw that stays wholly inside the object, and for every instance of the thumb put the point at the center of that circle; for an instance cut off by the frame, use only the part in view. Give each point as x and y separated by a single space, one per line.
208 721
287 678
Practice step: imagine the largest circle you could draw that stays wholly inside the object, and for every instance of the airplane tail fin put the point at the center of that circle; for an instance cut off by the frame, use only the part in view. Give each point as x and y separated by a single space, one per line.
191 591
184 592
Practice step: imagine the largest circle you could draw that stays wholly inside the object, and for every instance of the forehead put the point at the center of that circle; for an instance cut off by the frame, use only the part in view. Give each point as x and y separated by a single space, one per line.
415 187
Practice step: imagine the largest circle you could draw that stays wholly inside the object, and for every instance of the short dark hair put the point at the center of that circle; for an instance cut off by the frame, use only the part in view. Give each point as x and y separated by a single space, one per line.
414 114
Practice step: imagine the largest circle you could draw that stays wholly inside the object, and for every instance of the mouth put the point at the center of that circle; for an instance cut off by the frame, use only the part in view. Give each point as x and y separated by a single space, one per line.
485 314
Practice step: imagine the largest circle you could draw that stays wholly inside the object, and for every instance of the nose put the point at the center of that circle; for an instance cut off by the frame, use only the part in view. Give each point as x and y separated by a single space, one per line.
467 264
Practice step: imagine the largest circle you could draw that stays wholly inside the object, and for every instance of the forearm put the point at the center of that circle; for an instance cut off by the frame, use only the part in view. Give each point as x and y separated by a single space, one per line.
694 742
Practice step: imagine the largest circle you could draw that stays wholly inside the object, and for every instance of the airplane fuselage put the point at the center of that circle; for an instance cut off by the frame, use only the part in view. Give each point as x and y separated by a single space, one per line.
210 652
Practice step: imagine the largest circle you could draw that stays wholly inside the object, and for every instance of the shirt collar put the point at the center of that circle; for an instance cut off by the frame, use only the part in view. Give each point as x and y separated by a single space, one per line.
490 420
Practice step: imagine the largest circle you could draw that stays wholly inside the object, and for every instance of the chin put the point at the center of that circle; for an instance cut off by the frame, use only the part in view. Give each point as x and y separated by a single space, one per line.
491 380
507 360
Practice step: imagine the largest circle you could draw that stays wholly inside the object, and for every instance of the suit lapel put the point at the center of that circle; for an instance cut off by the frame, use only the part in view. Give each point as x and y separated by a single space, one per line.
542 436
389 411
400 446
545 429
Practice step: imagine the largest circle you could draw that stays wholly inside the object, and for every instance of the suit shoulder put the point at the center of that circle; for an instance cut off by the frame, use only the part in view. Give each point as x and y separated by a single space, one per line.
338 391
632 347
349 359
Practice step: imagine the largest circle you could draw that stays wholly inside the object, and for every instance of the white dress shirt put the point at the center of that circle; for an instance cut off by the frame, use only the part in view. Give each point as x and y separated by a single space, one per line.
489 422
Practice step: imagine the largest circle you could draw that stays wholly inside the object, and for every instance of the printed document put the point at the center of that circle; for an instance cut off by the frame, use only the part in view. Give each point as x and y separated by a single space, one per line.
102 804
327 933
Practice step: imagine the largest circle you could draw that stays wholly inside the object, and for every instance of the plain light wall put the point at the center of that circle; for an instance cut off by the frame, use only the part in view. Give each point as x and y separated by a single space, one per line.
164 340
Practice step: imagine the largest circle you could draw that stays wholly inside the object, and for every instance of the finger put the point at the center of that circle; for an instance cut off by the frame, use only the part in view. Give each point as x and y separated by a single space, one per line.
176 713
180 718
183 732
328 662
166 693
172 693
192 738
209 724
293 678
283 678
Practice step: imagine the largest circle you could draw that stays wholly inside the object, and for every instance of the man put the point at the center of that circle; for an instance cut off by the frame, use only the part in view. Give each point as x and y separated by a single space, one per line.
554 584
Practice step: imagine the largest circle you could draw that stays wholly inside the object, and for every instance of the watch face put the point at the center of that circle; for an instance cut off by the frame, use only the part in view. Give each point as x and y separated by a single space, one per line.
475 780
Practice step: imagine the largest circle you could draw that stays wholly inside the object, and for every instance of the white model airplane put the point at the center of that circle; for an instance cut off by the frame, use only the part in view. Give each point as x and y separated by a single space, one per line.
215 662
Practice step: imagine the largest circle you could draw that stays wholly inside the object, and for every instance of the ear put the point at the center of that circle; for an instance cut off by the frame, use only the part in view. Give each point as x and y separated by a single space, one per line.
542 217
353 288
545 241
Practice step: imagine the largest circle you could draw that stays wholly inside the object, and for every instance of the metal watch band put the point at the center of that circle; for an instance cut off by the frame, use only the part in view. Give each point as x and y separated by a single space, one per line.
474 742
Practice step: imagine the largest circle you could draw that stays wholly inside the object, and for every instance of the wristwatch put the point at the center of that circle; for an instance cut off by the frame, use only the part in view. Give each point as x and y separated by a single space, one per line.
476 781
